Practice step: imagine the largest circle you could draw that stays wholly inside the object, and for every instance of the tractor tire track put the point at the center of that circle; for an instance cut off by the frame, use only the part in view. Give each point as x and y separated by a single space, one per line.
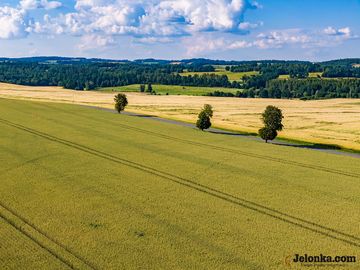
32 233
228 150
243 153
289 219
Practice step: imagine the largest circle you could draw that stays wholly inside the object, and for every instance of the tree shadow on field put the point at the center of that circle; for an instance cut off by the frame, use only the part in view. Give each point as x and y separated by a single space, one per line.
143 115
232 133
316 146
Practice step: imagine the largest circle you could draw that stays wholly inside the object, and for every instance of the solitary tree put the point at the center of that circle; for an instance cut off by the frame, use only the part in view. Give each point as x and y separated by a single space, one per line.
272 118
204 119
120 102
267 134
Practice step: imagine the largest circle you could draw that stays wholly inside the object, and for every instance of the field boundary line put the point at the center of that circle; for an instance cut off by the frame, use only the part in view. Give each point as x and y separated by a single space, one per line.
228 150
299 222
224 149
53 247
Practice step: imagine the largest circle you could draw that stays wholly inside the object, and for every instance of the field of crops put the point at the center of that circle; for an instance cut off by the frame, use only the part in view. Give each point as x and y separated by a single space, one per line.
171 89
311 75
334 121
232 76
86 189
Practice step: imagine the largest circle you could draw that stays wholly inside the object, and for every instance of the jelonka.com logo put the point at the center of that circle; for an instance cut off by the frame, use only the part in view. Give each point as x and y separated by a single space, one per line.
319 260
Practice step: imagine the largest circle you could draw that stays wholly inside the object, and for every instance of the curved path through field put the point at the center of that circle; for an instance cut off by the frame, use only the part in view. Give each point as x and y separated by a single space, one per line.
280 142
321 122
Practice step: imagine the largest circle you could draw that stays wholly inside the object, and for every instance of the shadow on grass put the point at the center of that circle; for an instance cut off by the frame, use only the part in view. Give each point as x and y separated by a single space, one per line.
232 133
143 116
317 146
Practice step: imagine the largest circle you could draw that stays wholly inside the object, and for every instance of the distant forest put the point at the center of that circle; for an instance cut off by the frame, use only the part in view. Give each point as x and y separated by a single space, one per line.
339 78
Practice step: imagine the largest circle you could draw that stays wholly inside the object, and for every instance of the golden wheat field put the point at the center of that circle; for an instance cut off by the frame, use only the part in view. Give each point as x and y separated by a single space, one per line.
335 121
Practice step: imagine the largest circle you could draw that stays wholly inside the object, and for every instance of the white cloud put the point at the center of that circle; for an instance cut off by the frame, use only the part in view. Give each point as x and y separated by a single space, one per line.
276 39
304 38
156 18
153 40
90 42
35 4
99 23
13 23
331 31
240 44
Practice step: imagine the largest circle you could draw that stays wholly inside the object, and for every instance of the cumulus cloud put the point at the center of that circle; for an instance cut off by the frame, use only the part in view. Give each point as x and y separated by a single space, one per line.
276 39
147 21
196 23
35 4
303 38
90 42
331 31
156 18
13 23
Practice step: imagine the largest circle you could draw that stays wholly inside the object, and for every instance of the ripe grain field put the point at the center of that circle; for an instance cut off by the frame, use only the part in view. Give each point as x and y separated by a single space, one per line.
86 189
334 121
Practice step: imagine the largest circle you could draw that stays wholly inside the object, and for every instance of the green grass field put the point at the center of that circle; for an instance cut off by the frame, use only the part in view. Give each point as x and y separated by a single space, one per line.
171 89
83 188
232 76
311 75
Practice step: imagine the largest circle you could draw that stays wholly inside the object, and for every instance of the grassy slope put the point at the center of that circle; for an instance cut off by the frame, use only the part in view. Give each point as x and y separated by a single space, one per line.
116 191
171 89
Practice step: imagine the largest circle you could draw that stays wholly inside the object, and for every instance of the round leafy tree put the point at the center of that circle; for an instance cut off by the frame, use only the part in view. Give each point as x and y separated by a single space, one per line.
120 102
267 134
272 118
204 121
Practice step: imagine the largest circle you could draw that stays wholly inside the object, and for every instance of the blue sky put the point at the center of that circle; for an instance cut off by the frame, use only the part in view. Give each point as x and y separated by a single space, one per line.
174 29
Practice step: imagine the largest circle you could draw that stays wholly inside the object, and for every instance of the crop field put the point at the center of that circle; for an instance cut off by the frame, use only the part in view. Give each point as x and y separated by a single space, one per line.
232 76
171 89
334 121
311 75
82 188
315 74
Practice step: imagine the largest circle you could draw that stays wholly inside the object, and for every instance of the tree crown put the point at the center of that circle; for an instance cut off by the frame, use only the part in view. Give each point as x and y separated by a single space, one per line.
272 118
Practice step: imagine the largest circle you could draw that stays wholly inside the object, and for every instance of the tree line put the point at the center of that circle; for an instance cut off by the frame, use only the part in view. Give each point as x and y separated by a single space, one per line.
93 75
97 75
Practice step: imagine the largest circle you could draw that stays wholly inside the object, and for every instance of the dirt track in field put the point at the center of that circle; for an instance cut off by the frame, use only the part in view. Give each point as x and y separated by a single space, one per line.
335 121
